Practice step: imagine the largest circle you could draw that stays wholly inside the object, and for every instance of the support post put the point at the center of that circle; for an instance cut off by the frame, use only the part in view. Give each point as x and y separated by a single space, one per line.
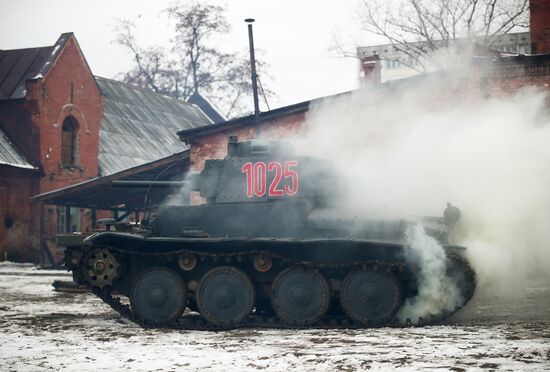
94 219
41 241
67 219
46 255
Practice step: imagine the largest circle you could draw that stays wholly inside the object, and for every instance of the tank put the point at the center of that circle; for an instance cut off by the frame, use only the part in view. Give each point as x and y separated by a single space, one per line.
267 247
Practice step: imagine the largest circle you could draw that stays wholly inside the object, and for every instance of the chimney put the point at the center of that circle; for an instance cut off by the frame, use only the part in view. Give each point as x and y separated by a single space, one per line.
371 70
540 26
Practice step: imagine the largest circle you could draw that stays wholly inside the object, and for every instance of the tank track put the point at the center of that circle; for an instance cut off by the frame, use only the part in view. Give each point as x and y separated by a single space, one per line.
193 320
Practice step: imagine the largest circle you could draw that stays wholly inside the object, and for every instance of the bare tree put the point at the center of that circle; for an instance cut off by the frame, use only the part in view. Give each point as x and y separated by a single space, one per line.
153 69
194 63
418 28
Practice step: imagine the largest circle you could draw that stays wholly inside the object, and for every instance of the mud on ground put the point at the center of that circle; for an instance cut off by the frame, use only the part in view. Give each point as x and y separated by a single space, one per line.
44 330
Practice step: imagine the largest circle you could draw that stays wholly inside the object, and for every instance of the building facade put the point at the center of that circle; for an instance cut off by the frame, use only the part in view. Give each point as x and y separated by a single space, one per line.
60 125
395 63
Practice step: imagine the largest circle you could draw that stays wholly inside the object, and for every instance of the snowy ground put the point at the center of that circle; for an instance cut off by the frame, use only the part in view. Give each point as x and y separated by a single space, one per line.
44 330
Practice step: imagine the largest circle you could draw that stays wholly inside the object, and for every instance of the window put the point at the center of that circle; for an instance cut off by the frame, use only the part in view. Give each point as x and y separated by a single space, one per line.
60 220
69 141
73 223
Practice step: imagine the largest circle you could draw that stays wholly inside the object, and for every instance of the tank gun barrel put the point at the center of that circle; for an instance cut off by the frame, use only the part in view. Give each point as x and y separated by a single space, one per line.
149 183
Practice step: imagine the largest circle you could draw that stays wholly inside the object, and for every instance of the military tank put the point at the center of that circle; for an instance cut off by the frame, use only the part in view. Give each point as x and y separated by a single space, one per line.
266 248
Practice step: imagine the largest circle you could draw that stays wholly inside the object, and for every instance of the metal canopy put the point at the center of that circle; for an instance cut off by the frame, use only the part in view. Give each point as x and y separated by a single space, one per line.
99 193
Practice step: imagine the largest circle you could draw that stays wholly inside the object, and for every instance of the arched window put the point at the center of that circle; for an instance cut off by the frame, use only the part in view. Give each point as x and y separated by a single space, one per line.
69 141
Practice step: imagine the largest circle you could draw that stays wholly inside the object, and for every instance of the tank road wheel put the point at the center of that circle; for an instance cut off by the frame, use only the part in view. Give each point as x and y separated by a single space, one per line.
300 296
158 295
225 296
100 267
370 297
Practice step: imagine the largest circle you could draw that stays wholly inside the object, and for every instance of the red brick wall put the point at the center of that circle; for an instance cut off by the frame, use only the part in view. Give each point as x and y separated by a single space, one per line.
502 87
35 125
508 76
214 146
68 89
18 242
284 126
540 26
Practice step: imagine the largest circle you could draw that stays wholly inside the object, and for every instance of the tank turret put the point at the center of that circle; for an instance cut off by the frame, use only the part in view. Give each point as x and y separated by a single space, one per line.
256 184
264 171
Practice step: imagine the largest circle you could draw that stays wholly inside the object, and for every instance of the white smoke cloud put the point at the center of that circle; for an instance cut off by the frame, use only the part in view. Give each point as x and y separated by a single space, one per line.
437 291
407 150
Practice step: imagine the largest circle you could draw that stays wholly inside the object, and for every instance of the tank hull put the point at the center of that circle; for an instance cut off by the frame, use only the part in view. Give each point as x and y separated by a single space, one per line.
263 262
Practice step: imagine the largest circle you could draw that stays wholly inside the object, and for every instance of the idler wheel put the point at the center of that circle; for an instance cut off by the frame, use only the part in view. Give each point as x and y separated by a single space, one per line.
158 295
100 267
463 275
300 296
225 296
370 297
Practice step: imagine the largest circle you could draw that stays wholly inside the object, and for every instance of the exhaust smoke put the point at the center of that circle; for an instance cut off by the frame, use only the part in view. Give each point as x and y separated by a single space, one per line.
437 291
407 149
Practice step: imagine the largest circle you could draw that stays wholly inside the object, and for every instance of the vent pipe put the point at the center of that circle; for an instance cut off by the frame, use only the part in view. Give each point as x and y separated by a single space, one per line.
254 78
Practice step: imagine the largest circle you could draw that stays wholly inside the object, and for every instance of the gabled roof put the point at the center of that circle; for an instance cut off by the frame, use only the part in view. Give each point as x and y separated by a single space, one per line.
207 107
10 155
139 126
17 66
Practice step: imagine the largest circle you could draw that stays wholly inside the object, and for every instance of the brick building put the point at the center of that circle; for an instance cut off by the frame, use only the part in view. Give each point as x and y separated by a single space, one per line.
60 125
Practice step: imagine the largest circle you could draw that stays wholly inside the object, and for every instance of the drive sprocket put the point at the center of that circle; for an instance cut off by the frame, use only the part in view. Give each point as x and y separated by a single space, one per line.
99 267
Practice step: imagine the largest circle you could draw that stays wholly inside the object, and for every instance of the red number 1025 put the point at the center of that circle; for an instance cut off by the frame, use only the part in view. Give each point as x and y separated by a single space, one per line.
256 178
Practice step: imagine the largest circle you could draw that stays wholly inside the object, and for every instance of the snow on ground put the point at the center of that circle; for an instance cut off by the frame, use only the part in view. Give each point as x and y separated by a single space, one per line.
44 330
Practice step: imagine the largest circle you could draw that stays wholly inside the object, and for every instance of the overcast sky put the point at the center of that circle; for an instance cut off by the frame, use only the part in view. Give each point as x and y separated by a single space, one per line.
295 36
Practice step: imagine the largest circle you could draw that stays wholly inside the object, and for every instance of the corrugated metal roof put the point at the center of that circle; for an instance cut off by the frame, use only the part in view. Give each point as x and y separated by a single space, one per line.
139 126
10 155
20 65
